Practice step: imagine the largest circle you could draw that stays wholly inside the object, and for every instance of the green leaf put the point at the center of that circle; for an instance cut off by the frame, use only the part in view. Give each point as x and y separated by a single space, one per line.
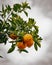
1 22
16 7
39 44
24 50
3 13
2 8
35 46
13 14
36 28
1 56
0 11
31 21
28 7
12 48
39 38
8 8
26 13
3 38
24 4
13 22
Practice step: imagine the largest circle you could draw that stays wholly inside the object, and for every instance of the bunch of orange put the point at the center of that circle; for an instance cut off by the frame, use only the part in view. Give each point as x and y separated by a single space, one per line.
27 41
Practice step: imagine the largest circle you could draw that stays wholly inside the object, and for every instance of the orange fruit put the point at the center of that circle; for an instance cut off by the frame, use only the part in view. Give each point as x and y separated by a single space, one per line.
29 43
28 39
21 45
13 36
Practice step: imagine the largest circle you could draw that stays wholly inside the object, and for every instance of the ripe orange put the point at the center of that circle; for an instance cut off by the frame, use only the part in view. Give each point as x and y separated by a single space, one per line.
21 45
13 36
29 43
28 39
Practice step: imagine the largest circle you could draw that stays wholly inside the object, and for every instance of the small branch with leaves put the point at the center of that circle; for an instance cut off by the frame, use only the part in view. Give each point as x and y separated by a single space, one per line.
21 32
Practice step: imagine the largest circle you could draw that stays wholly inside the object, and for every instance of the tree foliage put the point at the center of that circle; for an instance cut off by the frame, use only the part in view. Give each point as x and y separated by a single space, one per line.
12 22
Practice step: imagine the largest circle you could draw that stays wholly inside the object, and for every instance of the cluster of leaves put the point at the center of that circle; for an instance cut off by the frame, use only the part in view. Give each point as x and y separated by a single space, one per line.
12 22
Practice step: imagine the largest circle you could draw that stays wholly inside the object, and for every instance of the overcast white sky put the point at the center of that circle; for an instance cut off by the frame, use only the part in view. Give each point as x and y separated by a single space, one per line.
42 12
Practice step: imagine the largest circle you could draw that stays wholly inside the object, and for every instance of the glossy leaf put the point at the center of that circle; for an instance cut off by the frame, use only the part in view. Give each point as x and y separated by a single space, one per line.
39 44
3 38
12 48
28 7
2 8
8 8
1 56
24 50
26 13
16 7
35 46
24 5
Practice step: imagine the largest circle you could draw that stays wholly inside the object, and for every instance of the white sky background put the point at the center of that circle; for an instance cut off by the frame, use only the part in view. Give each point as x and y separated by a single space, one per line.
42 12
